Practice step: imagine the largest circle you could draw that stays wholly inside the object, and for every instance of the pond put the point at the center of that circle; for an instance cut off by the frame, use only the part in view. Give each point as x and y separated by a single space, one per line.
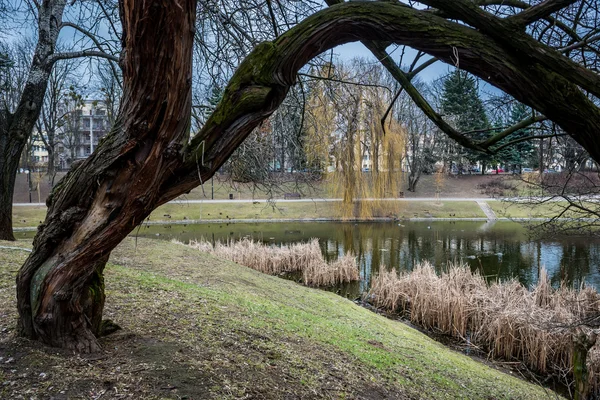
501 250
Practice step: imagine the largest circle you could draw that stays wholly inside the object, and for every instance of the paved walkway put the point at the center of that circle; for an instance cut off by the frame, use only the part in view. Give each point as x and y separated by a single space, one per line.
487 210
306 200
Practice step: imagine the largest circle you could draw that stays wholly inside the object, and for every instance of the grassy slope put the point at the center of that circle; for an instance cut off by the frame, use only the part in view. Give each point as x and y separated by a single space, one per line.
201 327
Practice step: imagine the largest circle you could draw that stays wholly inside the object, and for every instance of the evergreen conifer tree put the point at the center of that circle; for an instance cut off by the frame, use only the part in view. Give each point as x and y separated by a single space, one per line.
462 106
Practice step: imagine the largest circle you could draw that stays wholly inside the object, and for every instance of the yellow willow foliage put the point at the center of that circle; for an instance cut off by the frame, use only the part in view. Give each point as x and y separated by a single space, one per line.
439 183
366 190
319 125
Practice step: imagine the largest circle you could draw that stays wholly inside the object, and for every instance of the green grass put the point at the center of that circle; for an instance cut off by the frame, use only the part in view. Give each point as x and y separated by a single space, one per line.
28 216
441 209
545 210
32 216
234 332
220 190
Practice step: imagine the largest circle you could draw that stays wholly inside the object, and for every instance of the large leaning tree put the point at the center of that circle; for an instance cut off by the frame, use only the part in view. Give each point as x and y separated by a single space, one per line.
148 158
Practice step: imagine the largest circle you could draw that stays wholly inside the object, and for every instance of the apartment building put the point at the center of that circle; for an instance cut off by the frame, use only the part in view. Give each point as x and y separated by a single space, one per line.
82 132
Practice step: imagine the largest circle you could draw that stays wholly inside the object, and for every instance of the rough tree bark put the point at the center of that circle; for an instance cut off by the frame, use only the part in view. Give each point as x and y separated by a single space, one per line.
145 161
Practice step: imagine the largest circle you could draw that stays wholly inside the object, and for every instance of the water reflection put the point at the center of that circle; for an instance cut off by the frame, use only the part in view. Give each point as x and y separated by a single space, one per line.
501 250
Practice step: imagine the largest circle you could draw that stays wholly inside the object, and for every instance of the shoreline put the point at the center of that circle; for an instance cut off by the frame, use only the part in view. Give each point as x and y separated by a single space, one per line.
352 220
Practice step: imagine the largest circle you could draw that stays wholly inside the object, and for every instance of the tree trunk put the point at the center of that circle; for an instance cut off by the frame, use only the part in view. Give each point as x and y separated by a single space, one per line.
413 179
60 288
582 343
541 157
9 163
51 172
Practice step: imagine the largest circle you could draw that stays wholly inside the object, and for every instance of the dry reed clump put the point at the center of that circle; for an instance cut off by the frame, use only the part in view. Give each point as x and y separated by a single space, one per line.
508 320
275 260
344 269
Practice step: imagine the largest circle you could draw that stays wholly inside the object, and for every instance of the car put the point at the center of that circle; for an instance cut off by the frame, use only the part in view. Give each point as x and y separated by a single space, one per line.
526 170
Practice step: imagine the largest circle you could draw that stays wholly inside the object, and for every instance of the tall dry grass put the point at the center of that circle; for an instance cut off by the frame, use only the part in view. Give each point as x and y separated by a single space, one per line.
297 257
506 319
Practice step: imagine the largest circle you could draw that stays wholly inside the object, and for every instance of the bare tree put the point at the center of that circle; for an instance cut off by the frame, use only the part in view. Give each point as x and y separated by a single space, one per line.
54 112
111 86
16 125
420 141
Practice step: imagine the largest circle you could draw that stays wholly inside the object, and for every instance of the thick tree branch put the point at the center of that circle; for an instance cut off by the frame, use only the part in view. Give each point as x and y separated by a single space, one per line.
402 78
540 11
524 6
506 34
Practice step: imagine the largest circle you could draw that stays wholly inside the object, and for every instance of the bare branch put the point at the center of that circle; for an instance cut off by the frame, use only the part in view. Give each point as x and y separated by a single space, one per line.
321 78
524 139
581 43
273 20
510 130
82 53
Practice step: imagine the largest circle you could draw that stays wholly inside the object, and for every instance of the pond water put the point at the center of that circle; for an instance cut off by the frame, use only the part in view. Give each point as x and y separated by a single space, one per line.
501 250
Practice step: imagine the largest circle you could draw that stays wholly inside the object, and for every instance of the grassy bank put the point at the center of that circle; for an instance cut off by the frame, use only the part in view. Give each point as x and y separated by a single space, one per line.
195 326
33 215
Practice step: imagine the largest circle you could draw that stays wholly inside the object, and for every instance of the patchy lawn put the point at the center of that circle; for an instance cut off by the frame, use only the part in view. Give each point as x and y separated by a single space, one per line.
198 327
31 216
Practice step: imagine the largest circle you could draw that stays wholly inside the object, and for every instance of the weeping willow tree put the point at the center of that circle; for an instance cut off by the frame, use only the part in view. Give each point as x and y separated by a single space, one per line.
365 155
319 124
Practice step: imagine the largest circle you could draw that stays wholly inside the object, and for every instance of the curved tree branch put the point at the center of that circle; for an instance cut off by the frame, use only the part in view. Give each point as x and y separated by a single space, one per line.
506 34
94 39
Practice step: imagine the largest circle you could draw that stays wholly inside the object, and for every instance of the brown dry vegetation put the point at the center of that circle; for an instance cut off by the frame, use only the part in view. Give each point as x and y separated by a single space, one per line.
275 260
505 319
